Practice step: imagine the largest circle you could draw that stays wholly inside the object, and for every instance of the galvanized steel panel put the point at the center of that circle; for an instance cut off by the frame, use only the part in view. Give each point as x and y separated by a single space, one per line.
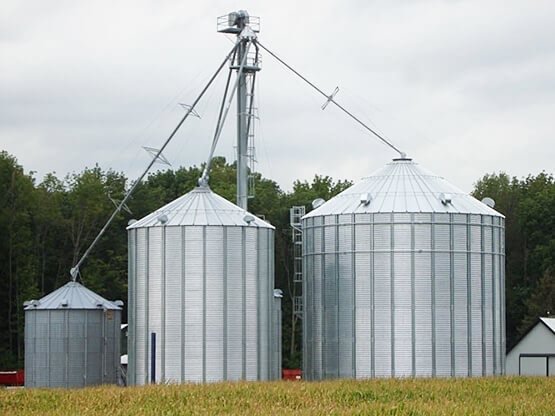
402 237
382 237
71 347
498 314
155 254
315 323
363 239
131 305
488 316
402 342
345 314
422 236
442 316
423 314
460 314
251 304
173 295
382 307
234 325
139 349
266 354
214 304
402 305
476 314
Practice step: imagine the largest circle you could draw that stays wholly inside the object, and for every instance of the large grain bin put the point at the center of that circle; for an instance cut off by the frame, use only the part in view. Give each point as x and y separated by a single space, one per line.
201 278
403 277
72 339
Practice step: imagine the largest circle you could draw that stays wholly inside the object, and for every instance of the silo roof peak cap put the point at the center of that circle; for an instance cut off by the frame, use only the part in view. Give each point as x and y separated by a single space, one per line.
202 188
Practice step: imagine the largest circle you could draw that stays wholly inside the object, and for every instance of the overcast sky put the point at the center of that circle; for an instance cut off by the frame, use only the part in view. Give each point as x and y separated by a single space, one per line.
463 87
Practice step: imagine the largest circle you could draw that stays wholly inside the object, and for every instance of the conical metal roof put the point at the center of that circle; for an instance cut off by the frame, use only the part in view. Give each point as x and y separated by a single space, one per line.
201 206
73 295
403 186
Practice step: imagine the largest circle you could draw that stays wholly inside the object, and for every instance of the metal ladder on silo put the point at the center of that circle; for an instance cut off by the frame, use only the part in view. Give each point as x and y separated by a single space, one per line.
295 215
252 115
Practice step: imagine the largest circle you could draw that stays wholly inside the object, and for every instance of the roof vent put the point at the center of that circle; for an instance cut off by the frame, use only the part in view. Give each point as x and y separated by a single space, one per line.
248 219
445 198
318 202
366 198
489 202
132 221
99 304
163 218
118 303
64 303
278 293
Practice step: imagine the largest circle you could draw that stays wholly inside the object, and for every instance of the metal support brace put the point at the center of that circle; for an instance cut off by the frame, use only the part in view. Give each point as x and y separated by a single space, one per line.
190 109
330 98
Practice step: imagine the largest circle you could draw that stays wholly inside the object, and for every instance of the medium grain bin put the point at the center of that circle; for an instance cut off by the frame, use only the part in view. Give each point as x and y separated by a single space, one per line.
72 339
201 278
403 277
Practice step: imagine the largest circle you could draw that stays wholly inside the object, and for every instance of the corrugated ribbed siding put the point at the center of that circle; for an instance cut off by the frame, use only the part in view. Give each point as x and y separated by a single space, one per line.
71 347
214 304
209 294
251 304
194 306
265 305
235 328
174 290
155 283
140 349
403 295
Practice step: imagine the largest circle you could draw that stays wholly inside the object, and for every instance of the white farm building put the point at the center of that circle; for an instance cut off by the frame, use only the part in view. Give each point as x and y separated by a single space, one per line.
534 353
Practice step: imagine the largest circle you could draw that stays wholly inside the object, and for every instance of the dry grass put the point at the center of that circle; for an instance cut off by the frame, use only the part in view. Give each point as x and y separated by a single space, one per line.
486 396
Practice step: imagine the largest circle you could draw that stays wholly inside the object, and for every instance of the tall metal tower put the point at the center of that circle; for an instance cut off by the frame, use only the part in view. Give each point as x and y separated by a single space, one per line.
245 27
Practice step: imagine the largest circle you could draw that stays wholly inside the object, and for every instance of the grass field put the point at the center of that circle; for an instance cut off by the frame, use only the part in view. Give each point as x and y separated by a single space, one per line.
485 396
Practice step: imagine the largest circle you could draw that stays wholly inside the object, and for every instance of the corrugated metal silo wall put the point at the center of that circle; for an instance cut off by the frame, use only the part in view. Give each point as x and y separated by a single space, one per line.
207 292
403 295
72 347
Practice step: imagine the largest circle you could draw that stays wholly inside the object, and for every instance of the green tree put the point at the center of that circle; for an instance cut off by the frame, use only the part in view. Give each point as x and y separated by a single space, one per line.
529 207
18 267
541 303
91 198
51 243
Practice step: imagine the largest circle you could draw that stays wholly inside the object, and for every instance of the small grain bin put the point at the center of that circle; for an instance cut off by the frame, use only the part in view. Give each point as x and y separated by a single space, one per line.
201 279
403 277
72 339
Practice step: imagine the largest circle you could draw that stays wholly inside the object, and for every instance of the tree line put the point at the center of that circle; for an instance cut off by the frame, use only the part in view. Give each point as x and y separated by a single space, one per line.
46 226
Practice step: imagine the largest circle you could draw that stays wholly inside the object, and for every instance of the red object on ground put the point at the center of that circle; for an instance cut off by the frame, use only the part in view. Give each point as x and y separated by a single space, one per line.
12 378
291 373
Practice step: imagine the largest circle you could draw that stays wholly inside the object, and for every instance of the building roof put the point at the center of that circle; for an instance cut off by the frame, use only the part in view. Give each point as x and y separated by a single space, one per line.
201 206
72 295
403 186
548 322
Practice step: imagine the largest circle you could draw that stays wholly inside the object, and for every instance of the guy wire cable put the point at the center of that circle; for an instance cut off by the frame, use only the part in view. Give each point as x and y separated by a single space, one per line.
330 99
74 271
